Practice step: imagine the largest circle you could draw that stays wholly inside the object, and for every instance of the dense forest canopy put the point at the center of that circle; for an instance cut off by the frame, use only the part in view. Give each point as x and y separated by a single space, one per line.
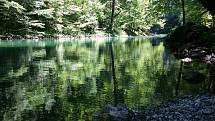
75 17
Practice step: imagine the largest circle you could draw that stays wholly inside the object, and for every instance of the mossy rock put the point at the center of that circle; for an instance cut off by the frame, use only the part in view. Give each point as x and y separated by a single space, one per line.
183 35
189 37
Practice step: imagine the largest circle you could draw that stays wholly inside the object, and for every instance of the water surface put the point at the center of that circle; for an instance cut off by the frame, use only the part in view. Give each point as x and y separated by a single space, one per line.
69 81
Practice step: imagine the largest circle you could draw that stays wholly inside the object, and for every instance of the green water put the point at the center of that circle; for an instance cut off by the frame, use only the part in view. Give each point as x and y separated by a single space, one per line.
72 80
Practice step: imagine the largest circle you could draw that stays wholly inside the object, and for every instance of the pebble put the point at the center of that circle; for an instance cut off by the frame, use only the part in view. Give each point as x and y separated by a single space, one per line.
187 108
191 108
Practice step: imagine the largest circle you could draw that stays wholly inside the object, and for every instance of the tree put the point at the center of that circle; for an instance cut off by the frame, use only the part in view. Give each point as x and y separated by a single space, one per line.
13 17
112 16
183 11
74 17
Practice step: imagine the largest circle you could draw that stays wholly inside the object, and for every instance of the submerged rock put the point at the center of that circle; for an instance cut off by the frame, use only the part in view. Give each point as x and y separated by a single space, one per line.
119 112
155 41
193 77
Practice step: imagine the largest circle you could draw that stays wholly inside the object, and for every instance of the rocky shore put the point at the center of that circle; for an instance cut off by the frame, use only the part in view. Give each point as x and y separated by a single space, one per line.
39 37
187 108
20 37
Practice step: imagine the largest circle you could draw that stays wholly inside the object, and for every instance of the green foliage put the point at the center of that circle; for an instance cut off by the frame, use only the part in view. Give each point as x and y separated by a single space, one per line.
74 17
194 12
13 17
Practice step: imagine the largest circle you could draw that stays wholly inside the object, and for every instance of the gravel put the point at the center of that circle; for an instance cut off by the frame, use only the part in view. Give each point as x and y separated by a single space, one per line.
187 108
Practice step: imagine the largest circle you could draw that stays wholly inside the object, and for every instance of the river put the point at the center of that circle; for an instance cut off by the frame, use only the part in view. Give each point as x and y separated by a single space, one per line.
49 80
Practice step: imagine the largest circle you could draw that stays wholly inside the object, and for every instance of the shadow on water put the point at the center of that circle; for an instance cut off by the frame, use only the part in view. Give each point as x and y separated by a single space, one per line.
48 81
155 41
115 84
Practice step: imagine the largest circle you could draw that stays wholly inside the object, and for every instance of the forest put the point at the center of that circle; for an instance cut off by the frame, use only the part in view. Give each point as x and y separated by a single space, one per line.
87 17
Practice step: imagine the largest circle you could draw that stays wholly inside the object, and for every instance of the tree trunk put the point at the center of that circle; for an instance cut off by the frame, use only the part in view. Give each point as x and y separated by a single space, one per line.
183 11
112 16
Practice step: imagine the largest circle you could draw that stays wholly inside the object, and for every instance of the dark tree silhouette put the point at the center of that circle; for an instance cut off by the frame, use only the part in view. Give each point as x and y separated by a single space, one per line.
183 12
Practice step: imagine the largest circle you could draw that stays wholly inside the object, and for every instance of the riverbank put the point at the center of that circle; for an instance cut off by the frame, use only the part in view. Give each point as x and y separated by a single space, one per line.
186 108
98 37
98 34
